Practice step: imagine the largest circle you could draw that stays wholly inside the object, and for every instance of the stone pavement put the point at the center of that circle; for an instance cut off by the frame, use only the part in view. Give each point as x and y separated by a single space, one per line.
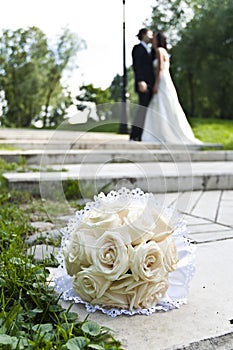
204 323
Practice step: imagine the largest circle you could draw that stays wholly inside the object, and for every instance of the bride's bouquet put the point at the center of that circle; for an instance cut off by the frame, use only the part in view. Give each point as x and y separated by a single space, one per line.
122 252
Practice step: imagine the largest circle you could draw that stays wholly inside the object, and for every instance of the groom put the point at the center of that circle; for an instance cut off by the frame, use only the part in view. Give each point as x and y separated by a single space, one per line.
144 74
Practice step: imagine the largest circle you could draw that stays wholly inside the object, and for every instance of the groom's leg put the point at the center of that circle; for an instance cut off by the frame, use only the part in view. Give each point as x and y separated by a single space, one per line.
137 128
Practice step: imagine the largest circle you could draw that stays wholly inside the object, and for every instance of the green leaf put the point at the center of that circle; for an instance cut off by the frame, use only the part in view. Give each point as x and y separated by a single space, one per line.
95 346
2 282
77 343
71 316
43 328
16 261
91 328
37 311
54 308
7 340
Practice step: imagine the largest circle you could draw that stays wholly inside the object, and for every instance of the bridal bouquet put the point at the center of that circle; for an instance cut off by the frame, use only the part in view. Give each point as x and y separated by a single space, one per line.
120 251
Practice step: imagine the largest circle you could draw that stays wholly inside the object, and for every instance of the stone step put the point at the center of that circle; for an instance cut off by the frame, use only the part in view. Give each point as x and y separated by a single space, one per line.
96 155
25 137
154 177
112 144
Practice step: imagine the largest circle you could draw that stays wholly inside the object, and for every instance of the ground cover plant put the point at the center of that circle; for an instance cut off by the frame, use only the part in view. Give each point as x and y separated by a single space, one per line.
30 314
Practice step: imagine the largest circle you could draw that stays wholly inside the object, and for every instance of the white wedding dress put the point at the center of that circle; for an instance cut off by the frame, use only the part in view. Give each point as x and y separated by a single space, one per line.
165 120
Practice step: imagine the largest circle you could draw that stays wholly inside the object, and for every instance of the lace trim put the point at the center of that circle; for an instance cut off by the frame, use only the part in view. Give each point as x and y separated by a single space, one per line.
179 280
63 282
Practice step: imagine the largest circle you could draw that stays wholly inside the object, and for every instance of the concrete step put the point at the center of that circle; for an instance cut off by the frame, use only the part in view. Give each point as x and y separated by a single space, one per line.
156 177
115 143
97 155
66 140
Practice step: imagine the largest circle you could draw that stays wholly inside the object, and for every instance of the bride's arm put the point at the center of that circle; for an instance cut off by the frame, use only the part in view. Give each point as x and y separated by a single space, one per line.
159 69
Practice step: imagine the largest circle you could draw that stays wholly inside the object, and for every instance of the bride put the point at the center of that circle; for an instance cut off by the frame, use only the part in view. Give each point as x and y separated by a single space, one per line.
165 119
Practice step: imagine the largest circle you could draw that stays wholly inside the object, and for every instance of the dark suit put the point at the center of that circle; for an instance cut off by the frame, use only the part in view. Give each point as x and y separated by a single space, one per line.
143 71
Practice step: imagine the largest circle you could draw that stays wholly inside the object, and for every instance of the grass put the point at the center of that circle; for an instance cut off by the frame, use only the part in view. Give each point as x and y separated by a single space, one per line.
31 316
111 126
214 131
7 148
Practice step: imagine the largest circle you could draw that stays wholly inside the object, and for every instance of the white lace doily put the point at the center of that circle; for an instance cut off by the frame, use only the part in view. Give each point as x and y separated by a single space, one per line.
179 280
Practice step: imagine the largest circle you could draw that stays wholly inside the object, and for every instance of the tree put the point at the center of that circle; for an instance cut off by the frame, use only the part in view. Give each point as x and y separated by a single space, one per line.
116 87
89 93
101 98
200 42
171 16
203 60
67 47
30 74
20 75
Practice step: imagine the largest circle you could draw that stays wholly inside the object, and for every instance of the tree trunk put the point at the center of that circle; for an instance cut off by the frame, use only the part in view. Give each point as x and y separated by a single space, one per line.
192 97
45 116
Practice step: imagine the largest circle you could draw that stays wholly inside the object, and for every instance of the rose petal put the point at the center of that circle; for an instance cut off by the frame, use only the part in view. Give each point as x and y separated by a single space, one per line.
146 261
89 285
110 256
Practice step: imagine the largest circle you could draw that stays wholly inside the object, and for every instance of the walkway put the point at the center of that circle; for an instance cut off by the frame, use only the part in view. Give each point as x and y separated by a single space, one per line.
210 304
204 323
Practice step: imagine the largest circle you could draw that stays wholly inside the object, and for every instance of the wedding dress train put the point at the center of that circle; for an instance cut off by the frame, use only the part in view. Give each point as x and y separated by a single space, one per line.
165 120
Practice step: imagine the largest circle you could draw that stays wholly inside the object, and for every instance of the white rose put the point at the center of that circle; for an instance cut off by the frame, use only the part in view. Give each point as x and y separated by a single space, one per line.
110 256
139 223
77 251
163 227
170 257
116 295
89 285
126 293
113 204
113 299
72 264
146 261
100 220
148 294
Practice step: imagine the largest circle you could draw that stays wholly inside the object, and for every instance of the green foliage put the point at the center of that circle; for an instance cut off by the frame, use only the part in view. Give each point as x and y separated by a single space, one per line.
31 316
4 166
202 62
116 94
30 76
94 126
100 98
133 97
116 87
7 148
89 93
199 34
170 17
71 189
